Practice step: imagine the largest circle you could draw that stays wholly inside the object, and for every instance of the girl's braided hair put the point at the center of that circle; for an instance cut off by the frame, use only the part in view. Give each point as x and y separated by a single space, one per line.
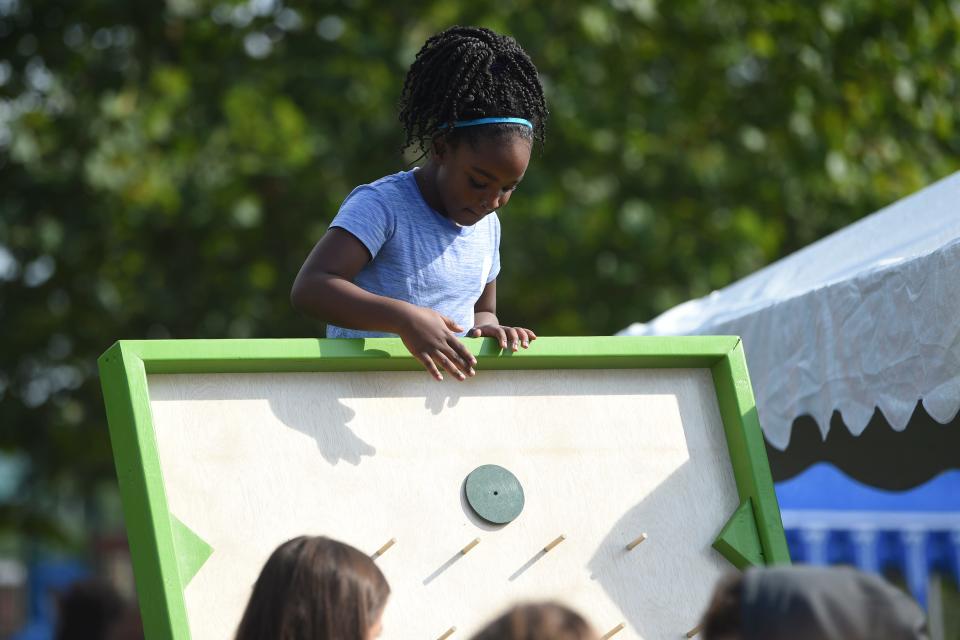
470 72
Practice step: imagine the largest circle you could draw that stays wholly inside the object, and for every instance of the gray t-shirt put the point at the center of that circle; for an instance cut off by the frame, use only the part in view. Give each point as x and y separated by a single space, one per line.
419 256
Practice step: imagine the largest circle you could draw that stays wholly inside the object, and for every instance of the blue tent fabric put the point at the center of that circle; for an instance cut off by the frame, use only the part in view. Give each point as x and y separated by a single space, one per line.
824 487
832 519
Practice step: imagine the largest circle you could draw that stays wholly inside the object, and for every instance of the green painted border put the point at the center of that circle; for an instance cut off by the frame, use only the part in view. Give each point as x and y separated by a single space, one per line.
166 554
751 470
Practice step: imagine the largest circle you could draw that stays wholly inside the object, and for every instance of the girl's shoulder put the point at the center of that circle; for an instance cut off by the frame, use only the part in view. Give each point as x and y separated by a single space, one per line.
394 183
392 179
388 190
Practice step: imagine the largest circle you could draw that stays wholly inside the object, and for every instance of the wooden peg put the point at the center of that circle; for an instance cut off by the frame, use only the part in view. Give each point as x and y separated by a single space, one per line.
467 548
447 633
555 542
632 545
379 552
697 629
609 634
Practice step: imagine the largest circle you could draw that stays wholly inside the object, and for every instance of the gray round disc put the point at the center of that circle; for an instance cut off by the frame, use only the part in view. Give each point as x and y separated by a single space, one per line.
494 494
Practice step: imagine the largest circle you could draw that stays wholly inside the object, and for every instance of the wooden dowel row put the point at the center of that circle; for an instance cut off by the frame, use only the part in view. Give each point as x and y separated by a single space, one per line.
555 542
379 552
632 545
697 629
472 544
447 633
609 634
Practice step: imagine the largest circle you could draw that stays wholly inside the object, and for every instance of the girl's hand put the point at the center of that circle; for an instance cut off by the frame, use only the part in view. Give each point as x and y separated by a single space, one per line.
430 338
515 336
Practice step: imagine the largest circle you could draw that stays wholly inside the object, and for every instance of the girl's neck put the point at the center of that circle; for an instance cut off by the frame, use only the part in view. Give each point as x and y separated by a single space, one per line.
426 177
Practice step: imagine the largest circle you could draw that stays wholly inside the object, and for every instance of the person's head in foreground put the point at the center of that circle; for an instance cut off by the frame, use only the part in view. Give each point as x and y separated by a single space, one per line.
538 621
811 603
88 610
315 588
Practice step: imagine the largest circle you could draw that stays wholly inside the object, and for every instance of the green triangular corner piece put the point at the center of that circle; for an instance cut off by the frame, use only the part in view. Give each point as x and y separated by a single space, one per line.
192 551
739 541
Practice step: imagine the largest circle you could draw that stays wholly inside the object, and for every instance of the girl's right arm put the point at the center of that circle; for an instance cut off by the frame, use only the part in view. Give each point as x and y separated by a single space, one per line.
324 289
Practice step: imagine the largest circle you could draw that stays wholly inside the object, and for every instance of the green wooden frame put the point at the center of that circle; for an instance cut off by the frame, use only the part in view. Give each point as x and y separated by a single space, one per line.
166 554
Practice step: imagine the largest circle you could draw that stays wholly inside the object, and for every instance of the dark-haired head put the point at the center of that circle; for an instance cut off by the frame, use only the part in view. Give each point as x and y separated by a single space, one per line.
723 619
538 621
87 610
465 73
462 75
811 603
315 588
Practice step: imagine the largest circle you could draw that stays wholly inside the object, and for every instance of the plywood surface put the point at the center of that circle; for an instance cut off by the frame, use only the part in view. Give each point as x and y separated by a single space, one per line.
250 460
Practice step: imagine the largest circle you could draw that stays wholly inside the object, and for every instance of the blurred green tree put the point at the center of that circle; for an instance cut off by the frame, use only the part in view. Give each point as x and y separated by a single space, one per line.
165 168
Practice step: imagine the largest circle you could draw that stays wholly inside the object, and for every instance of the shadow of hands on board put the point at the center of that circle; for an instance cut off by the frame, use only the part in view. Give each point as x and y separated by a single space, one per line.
318 407
327 424
326 418
440 396
317 410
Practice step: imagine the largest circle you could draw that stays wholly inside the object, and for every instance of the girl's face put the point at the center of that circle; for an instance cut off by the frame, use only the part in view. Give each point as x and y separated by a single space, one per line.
474 181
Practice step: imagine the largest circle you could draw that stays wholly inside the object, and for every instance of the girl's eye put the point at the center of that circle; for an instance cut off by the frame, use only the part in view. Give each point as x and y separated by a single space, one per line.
475 184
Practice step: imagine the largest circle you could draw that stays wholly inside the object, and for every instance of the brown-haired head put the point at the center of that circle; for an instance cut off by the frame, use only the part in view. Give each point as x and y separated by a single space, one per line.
538 621
315 588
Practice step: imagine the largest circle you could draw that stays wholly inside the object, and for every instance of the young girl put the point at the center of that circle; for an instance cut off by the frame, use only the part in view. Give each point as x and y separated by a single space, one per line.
315 588
416 254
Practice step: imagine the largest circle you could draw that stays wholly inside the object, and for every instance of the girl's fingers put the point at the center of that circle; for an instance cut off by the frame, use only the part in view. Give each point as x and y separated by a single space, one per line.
429 365
464 358
447 362
513 338
509 337
524 336
501 335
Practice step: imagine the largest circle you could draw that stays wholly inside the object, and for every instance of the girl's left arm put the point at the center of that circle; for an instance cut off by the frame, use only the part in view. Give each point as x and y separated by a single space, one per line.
485 322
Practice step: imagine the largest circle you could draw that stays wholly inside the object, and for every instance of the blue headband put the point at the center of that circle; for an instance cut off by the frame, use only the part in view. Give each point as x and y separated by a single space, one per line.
473 123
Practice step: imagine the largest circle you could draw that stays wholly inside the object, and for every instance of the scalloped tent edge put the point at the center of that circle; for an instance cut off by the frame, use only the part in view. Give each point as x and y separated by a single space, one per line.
862 320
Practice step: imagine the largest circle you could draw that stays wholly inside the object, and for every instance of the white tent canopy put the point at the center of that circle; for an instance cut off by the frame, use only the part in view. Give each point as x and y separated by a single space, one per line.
866 317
